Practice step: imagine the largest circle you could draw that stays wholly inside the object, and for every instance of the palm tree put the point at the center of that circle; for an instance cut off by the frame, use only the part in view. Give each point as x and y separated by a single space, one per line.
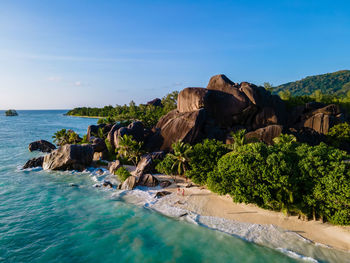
129 148
238 139
180 156
61 137
285 139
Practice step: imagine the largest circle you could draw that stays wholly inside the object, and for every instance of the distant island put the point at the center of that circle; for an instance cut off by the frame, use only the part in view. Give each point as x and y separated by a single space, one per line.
11 113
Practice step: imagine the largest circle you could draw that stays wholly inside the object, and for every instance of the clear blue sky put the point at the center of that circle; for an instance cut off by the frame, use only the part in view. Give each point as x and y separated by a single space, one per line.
64 54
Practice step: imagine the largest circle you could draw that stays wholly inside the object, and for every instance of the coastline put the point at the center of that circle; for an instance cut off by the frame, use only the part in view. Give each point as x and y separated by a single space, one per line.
204 203
89 117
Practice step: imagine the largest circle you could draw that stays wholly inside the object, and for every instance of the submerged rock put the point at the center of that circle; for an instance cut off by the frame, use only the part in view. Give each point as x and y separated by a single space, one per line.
69 157
41 145
35 162
165 184
161 194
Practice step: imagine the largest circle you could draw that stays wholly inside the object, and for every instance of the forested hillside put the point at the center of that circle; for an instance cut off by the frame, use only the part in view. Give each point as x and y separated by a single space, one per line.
336 83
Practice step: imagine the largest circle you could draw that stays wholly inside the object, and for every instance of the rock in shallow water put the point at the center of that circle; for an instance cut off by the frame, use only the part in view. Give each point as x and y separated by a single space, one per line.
129 183
69 157
35 162
161 194
42 145
147 180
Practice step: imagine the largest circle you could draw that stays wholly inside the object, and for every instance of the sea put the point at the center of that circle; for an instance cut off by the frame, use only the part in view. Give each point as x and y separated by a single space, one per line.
44 219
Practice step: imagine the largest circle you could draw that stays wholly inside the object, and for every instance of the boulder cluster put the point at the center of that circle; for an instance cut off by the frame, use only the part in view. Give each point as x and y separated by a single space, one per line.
224 106
212 112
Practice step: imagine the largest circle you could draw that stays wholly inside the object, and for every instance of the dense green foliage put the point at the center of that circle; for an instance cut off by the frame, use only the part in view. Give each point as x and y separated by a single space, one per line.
166 166
129 149
11 113
148 114
64 136
288 176
337 83
180 156
122 173
339 135
203 158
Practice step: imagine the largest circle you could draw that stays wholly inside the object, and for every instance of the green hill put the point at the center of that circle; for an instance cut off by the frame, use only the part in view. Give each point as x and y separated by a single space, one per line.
337 83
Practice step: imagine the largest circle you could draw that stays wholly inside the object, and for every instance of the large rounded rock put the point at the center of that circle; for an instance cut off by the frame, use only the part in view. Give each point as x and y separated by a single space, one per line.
114 166
146 164
257 95
35 162
147 180
222 83
318 119
99 145
129 184
266 116
110 135
191 99
93 130
266 134
135 129
155 102
69 157
42 145
180 126
222 106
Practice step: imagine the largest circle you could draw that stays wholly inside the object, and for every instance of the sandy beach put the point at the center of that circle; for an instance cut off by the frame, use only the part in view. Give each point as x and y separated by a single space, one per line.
203 202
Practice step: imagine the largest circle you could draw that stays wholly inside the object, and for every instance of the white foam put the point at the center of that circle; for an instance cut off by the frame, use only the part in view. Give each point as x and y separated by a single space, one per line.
295 255
287 242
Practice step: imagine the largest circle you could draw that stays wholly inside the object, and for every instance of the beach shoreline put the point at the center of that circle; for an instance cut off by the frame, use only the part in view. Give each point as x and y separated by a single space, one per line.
201 201
89 117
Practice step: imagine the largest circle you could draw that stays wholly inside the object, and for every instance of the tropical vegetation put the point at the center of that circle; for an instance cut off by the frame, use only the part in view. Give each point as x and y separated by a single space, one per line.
148 114
122 173
64 136
336 83
309 181
129 149
11 113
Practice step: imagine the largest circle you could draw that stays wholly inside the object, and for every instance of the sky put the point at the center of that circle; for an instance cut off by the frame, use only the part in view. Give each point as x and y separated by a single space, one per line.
65 54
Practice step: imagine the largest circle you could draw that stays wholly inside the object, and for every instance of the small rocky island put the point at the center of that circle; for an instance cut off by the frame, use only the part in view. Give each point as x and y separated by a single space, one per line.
11 113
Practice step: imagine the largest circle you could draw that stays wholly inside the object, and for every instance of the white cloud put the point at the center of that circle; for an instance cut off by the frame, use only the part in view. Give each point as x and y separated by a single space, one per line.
77 83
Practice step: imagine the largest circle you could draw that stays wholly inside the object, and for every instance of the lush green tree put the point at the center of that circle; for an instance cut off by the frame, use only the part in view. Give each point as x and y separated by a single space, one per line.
180 156
238 139
339 133
122 173
148 114
166 166
312 181
129 148
285 94
268 86
326 182
203 158
64 136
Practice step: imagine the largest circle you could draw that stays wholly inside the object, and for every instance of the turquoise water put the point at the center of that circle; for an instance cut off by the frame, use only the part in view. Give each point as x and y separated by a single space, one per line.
42 219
